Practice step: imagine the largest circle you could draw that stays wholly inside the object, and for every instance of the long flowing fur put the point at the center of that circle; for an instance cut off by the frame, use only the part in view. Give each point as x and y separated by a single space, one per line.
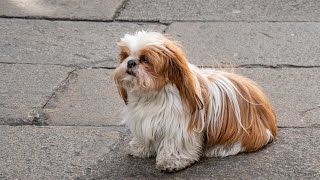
237 112
178 112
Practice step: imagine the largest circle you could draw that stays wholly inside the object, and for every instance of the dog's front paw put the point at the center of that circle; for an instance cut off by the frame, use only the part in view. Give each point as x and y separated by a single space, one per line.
139 149
141 153
171 165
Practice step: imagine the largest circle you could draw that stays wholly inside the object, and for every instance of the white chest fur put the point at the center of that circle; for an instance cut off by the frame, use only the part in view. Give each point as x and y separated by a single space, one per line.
155 116
158 124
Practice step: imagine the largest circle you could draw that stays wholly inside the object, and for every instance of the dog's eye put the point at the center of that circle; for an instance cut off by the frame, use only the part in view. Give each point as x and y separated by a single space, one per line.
144 59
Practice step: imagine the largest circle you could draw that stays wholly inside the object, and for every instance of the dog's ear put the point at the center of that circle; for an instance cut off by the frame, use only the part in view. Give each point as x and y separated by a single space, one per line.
123 93
121 90
180 75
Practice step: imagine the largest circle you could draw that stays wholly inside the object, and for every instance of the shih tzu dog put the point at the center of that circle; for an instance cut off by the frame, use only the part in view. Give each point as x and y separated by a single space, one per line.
179 113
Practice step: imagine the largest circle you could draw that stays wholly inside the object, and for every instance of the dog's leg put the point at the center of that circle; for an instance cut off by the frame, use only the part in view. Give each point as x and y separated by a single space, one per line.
178 153
141 149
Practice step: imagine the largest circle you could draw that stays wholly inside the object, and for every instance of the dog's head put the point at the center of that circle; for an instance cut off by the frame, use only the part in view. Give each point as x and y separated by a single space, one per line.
149 61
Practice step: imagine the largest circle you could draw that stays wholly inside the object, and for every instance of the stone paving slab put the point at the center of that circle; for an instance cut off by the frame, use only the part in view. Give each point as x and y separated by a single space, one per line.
295 155
222 10
29 152
25 88
91 97
241 43
293 92
63 9
83 44
101 153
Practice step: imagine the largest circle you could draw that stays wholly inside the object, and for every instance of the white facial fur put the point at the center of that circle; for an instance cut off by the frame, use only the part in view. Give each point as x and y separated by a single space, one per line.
142 39
142 80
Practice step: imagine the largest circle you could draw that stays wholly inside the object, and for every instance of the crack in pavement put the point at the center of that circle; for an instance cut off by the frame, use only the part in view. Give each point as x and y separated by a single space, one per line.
166 28
39 117
118 11
15 121
61 65
84 20
303 113
276 66
165 22
53 18
266 34
298 127
63 83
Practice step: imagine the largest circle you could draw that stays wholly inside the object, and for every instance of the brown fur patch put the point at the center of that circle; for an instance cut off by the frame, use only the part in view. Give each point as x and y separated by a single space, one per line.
169 65
256 116
123 94
195 123
124 53
180 75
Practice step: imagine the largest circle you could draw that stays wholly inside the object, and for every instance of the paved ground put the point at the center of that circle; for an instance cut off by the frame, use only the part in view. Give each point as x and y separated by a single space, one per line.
60 112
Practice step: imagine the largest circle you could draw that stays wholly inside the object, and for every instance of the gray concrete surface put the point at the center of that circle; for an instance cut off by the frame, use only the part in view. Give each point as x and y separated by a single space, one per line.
26 88
90 98
101 10
56 59
294 155
66 43
101 153
239 43
82 44
222 10
293 92
53 152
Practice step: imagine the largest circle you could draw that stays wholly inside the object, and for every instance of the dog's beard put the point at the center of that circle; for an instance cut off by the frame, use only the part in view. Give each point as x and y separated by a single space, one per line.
135 79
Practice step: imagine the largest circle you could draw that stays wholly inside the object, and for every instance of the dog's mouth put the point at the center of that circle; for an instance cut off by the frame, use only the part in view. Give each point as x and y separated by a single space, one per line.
130 71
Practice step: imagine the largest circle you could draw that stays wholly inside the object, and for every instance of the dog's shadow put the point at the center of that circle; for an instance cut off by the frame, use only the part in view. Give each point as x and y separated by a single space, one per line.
119 164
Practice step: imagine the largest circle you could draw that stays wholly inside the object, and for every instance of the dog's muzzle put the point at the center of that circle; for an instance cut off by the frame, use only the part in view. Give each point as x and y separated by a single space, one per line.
131 64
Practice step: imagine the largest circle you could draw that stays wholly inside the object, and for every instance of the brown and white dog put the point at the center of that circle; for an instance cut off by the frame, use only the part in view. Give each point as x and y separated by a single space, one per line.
178 112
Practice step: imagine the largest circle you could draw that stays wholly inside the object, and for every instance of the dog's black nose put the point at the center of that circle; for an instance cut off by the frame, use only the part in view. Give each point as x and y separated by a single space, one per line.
131 63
